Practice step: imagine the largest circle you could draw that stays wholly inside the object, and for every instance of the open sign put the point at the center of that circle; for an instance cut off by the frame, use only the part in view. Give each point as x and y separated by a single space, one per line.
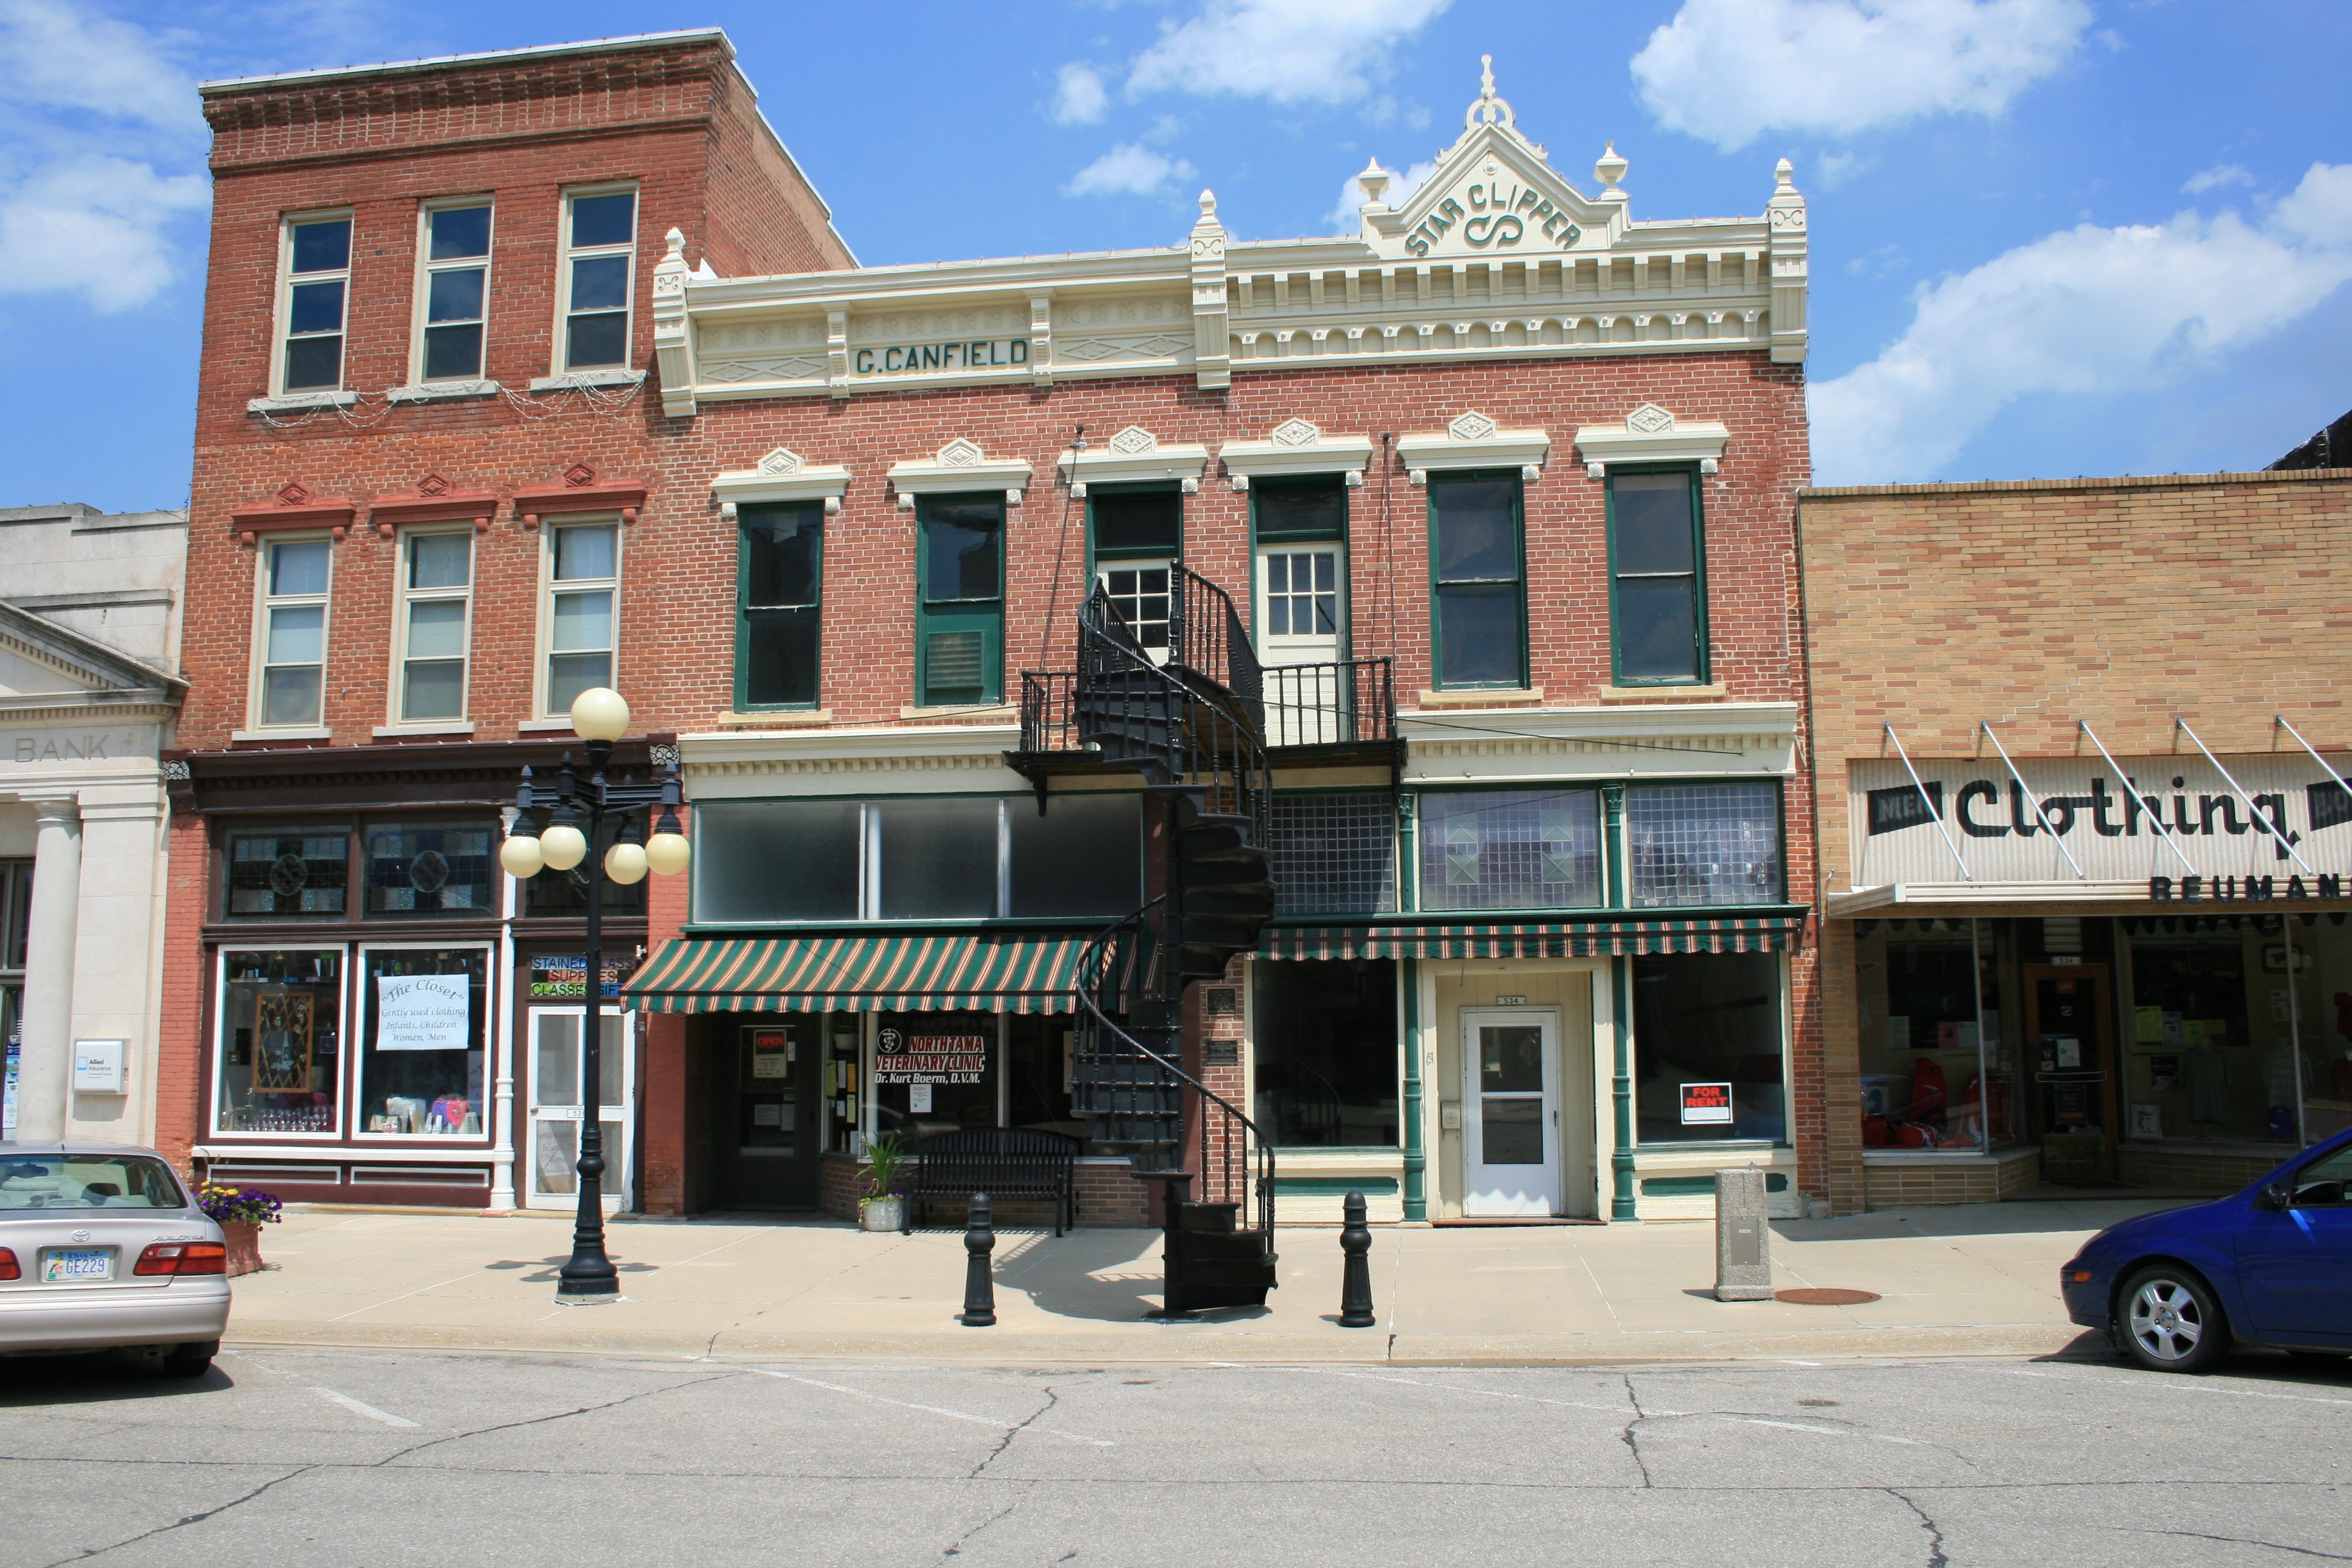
1705 1104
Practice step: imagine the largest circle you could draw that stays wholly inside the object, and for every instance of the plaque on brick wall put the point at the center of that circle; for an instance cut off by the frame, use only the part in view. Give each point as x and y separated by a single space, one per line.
1224 1002
1224 1053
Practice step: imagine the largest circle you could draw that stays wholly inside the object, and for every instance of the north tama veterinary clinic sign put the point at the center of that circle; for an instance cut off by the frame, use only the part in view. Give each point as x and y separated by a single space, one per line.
2293 819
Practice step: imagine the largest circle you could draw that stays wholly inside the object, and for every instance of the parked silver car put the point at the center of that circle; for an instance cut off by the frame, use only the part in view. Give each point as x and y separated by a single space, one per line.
102 1246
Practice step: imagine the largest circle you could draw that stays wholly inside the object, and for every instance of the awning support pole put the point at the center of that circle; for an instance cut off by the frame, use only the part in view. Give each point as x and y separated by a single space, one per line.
2019 779
2275 831
2156 818
1949 843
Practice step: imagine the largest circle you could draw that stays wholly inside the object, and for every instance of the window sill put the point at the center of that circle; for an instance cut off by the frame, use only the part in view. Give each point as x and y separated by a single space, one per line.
300 401
782 717
239 737
1667 692
572 378
457 728
443 392
545 726
1484 697
993 714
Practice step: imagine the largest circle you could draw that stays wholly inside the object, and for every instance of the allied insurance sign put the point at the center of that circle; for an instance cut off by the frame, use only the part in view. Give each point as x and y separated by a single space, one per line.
2112 827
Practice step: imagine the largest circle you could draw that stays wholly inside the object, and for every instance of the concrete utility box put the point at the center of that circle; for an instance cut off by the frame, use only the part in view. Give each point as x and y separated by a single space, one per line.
1743 1237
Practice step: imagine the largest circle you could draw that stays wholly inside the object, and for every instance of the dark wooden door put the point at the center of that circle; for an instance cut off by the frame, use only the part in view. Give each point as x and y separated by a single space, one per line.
764 1106
2071 1052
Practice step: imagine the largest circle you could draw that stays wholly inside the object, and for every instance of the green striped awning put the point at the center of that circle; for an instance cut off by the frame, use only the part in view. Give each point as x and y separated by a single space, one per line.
913 972
1620 937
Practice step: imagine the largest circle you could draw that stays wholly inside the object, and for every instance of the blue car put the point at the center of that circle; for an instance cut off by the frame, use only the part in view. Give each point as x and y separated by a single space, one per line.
2269 1266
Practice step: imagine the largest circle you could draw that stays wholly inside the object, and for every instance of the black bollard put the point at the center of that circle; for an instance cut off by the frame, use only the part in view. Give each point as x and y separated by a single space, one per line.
1356 1279
979 1284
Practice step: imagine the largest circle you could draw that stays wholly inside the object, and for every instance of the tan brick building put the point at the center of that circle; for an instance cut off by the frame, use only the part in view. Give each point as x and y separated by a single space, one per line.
2032 970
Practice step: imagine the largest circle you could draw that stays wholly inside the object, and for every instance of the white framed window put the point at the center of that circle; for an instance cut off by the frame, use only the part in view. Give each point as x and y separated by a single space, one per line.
454 291
436 580
289 675
313 302
279 1056
578 610
422 1067
599 281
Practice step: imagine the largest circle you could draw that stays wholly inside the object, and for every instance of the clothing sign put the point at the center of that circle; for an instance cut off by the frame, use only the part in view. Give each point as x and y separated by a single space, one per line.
930 1058
421 1012
1707 1104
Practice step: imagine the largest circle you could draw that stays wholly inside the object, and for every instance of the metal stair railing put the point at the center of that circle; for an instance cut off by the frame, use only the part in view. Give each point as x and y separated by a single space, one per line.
1206 636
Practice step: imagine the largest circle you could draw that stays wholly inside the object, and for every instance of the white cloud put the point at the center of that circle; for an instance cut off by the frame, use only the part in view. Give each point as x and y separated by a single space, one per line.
1728 70
101 149
1285 51
2086 311
2215 178
1079 98
1129 170
1347 215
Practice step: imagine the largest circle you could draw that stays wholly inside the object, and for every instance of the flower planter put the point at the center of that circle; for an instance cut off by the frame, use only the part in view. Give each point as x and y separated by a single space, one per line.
243 1248
883 1214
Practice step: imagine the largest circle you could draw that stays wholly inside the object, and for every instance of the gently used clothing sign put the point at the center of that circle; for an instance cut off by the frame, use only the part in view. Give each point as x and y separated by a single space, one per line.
421 1012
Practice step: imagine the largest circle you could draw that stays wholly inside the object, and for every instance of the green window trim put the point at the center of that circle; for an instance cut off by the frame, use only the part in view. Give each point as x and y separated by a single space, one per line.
1438 588
959 639
1097 551
1702 651
748 616
1261 489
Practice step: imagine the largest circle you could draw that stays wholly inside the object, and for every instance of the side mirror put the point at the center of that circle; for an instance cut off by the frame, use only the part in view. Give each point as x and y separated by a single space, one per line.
2275 1198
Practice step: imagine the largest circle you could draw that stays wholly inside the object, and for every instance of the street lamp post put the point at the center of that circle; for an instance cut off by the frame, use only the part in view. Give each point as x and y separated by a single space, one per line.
546 835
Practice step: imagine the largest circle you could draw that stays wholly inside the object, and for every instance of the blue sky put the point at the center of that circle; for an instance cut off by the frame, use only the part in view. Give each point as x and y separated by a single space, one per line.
2050 237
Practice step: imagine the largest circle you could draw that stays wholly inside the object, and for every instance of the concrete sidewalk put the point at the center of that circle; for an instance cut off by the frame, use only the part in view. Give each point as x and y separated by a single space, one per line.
1977 1279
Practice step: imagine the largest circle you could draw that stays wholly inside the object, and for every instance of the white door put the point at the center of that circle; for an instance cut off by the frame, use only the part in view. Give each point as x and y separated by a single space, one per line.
553 1151
1510 1123
1302 595
1141 591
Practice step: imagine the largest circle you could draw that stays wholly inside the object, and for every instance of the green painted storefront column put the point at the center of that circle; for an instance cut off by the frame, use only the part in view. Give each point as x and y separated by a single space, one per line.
1416 1159
1621 983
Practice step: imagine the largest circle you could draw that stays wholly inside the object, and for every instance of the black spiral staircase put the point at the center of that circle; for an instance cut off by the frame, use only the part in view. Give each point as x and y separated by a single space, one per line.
1193 726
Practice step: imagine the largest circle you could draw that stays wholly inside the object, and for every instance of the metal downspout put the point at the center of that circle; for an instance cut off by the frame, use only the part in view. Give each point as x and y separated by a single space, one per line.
1621 982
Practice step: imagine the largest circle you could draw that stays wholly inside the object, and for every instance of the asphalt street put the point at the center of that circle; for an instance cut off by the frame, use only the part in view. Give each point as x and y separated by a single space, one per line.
292 1456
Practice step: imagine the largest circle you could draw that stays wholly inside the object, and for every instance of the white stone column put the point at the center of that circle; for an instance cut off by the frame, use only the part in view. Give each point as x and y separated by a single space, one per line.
45 1070
115 975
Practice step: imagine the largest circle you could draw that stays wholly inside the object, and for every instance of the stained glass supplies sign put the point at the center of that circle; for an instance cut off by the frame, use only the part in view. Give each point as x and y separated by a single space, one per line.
555 976
900 1058
420 1012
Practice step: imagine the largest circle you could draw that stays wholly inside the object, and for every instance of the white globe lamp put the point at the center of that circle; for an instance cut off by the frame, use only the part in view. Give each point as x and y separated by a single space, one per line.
600 713
563 845
625 863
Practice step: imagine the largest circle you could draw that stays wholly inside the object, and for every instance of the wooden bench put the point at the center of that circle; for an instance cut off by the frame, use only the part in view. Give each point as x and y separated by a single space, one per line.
1002 1161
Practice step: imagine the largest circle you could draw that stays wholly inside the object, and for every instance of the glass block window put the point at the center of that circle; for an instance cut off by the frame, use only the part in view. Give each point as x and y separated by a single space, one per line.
420 869
1335 853
1692 845
289 872
1510 849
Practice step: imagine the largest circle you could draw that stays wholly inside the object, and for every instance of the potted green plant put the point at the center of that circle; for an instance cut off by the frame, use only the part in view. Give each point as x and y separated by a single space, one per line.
882 1208
240 1214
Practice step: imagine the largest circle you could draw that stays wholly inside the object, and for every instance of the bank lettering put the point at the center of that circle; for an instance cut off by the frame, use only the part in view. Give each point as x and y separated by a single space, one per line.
1499 214
979 354
86 748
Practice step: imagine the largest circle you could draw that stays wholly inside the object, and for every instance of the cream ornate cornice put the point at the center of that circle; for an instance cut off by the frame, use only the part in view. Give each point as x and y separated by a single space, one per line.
1474 441
1651 435
781 476
1135 455
1296 446
961 465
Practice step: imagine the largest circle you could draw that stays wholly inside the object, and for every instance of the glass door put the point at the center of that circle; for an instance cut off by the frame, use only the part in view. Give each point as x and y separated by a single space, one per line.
1510 1134
554 1107
1302 599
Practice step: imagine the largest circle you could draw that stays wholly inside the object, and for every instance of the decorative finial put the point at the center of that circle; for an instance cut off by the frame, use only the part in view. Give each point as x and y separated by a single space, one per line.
1208 203
1487 109
1610 168
1375 180
1485 75
677 240
1784 178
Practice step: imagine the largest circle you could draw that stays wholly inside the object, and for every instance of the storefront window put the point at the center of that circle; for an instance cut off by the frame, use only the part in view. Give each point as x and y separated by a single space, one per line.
1335 853
1510 849
776 860
421 1058
1323 1042
1694 844
428 868
1083 857
934 1072
281 1043
939 859
286 872
1936 1071
1706 1026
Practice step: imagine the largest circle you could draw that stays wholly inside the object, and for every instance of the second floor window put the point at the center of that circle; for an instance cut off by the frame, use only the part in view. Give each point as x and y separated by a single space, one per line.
1477 588
318 276
293 632
456 292
435 591
1657 577
959 624
777 607
599 262
584 577
1137 539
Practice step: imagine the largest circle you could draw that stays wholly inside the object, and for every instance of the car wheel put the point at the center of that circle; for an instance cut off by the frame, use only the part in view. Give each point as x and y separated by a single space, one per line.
2166 1320
190 1360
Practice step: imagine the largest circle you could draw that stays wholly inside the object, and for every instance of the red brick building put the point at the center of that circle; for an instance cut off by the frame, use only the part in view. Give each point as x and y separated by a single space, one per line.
1499 490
